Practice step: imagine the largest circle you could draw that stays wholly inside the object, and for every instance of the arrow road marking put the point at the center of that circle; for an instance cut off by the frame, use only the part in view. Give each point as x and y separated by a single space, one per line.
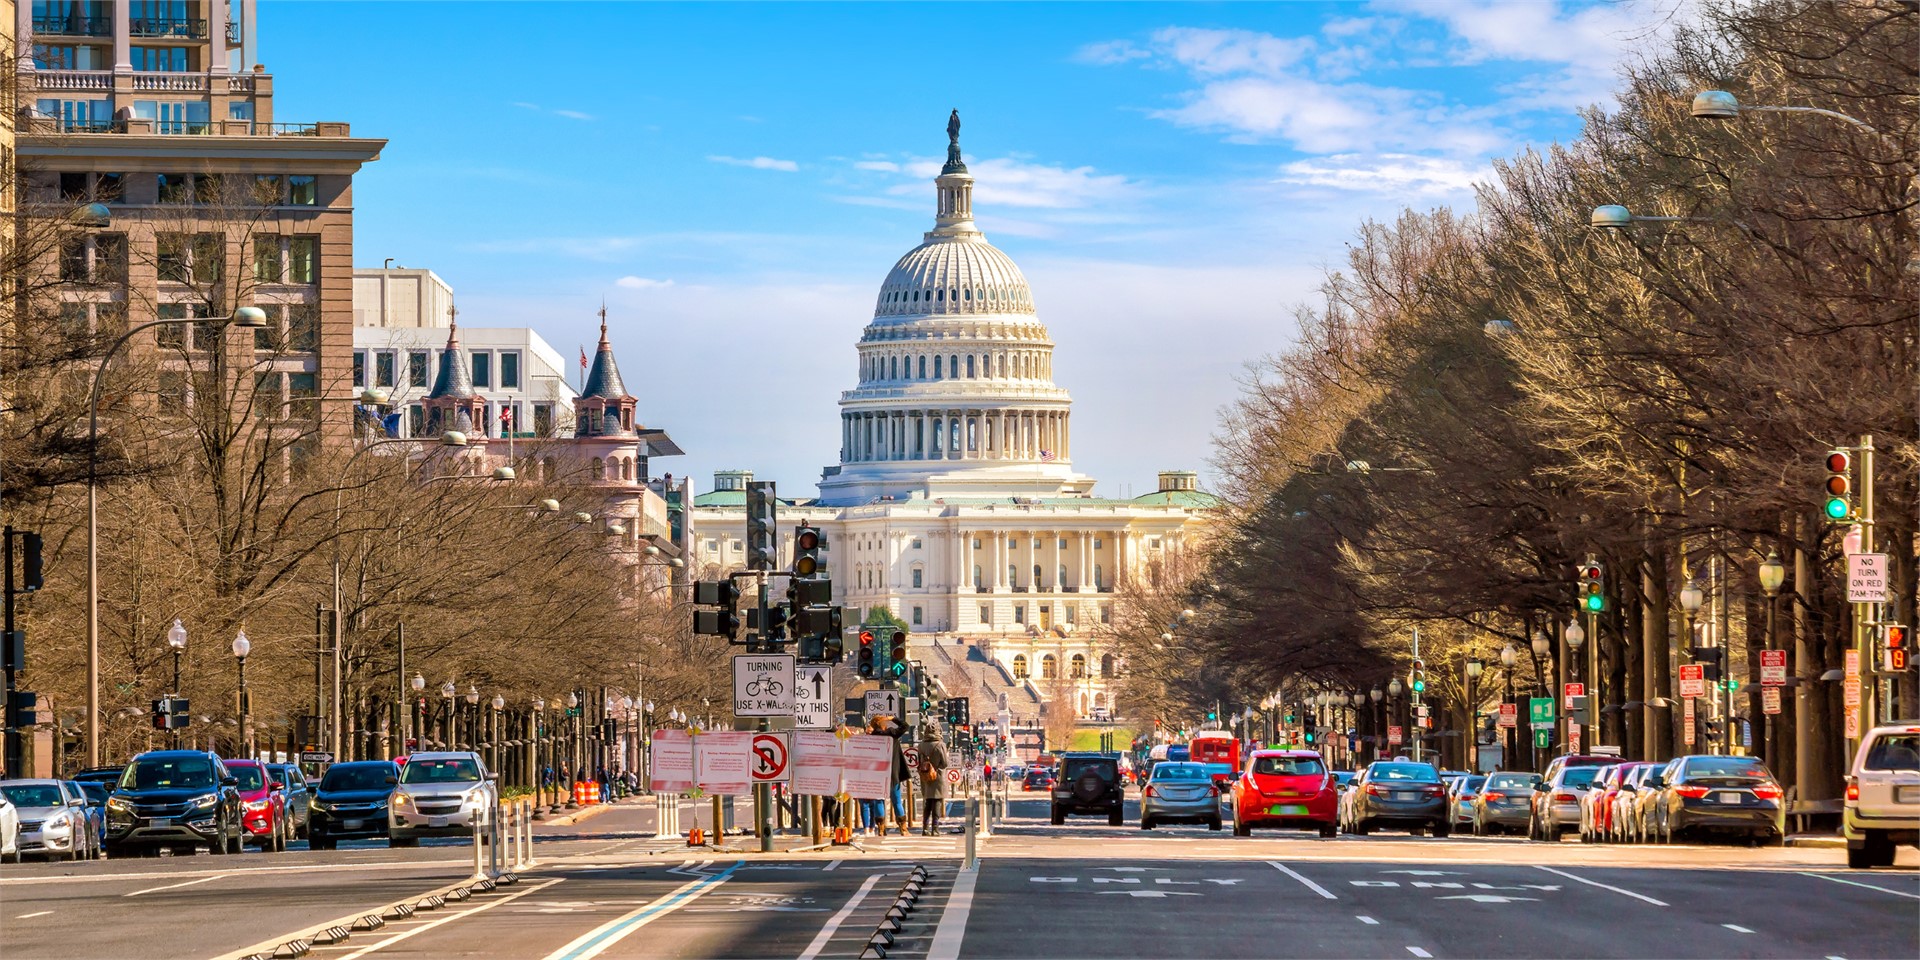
1736 928
1485 898
1153 893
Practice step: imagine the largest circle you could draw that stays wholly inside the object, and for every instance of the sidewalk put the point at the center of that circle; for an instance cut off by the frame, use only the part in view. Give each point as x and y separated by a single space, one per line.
1828 841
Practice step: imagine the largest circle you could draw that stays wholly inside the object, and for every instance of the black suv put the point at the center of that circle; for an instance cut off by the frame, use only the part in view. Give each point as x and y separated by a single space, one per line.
351 803
175 798
1089 783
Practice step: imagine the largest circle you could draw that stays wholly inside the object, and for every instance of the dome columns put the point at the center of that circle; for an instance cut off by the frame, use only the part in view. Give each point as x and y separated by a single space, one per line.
955 433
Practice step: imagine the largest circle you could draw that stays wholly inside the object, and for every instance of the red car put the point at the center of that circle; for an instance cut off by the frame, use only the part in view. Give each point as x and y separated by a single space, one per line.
264 815
1286 788
1038 778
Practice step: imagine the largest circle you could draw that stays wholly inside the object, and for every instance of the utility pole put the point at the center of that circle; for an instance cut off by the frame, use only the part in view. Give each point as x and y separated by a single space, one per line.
1414 684
1864 614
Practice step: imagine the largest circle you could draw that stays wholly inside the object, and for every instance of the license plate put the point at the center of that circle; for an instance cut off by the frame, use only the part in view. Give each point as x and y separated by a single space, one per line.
1729 796
160 822
1906 794
352 824
1406 796
436 821
1288 810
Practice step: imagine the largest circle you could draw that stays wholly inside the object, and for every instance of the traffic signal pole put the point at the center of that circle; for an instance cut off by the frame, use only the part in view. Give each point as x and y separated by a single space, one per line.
1864 614
763 792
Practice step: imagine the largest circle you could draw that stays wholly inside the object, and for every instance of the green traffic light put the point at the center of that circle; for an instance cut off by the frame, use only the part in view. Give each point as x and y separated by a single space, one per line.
1595 602
1212 716
1837 508
1419 686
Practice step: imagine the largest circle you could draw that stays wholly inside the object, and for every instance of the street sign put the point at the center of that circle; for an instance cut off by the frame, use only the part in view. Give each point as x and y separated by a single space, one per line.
813 697
1509 714
1573 737
1773 669
1540 712
1687 721
770 758
953 774
763 685
1770 700
1570 691
1693 681
883 703
1867 578
1394 736
911 755
315 756
1543 737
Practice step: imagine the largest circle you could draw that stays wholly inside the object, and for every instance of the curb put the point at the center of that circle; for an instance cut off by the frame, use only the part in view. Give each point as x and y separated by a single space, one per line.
1818 841
583 813
299 944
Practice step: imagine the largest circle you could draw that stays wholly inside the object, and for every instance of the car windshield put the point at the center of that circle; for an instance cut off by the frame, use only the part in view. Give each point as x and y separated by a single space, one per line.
33 794
168 773
1511 781
1894 751
372 776
1187 772
1726 767
287 775
1579 776
96 792
448 770
1075 769
1288 766
1405 771
249 777
1471 784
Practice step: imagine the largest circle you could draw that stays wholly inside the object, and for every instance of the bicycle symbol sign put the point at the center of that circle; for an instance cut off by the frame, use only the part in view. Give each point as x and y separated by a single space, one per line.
763 685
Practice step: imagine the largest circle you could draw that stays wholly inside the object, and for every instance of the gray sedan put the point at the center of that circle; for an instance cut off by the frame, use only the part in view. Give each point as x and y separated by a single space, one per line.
1180 793
1505 803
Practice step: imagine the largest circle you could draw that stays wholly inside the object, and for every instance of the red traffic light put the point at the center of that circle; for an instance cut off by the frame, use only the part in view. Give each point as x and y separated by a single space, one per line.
807 539
1897 645
1591 573
866 638
1838 461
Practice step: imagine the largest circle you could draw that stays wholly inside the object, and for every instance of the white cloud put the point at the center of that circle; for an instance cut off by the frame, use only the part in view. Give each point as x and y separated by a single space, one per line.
1395 173
573 114
758 163
642 283
883 166
1011 182
1110 52
1219 52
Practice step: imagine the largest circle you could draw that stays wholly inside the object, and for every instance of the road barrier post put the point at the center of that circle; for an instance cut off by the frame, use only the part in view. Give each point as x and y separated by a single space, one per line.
819 825
526 837
666 817
719 822
495 866
973 814
479 838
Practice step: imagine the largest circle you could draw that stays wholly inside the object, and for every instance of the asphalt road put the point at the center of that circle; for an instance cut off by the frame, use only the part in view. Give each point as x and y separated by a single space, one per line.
605 888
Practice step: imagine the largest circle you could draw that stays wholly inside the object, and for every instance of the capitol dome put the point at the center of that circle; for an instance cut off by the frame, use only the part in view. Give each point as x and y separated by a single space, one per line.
954 275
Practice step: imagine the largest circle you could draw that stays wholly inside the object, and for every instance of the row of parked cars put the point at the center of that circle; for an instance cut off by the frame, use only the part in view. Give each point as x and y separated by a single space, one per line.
1605 800
185 800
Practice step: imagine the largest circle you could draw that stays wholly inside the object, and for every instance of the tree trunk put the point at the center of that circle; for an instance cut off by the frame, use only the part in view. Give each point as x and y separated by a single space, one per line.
1657 677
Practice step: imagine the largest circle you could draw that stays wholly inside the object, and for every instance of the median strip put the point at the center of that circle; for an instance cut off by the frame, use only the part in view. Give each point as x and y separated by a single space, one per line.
594 942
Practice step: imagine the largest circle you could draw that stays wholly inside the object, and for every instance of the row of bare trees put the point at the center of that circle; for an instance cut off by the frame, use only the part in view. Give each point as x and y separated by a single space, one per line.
1482 400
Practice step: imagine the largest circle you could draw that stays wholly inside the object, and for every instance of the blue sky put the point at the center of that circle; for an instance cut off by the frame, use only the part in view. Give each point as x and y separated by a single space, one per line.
735 180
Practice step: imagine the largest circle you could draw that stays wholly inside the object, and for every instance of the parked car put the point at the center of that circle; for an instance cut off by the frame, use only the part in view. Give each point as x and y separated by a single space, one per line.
263 811
1286 788
1089 783
1596 805
1556 800
351 802
1180 792
1460 796
1626 821
1648 798
1504 803
1037 778
1400 794
96 794
9 829
53 819
299 794
439 794
174 798
1882 808
106 775
1721 795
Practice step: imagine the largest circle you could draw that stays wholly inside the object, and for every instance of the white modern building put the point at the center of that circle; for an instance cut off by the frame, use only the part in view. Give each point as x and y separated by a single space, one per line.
400 297
954 503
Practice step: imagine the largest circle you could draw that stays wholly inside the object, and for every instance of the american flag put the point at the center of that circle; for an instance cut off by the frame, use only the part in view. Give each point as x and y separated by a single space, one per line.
506 415
1046 456
583 358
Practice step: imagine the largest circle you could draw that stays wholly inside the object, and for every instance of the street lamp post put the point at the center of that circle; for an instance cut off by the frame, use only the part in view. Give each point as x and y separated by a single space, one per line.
496 731
1508 747
573 745
447 692
245 317
1542 648
1474 667
1691 599
539 757
176 639
1773 573
1576 636
416 719
241 647
473 739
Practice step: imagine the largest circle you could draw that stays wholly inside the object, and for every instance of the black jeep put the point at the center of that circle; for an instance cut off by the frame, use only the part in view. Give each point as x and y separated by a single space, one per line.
1089 783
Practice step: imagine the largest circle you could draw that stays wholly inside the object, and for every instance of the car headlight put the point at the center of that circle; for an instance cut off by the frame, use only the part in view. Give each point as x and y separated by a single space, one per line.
121 804
321 805
255 806
204 800
56 826
402 800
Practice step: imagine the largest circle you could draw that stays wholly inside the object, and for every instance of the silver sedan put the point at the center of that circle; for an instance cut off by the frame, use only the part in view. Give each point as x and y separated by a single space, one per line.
1180 793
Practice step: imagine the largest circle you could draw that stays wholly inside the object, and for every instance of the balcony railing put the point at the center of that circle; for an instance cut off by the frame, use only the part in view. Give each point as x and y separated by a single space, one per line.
292 129
1019 589
72 26
184 82
169 28
92 126
76 80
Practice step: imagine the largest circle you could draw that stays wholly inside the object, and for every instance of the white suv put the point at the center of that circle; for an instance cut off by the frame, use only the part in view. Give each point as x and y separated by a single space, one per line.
440 795
1883 796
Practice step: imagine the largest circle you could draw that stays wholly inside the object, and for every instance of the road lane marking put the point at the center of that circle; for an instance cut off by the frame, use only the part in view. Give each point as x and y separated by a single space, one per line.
1736 928
831 866
1416 951
1316 888
449 918
953 920
1603 886
833 923
596 941
170 886
30 916
1369 921
1869 886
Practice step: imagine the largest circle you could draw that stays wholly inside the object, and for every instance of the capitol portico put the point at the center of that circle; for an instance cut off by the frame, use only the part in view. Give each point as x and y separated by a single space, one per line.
954 503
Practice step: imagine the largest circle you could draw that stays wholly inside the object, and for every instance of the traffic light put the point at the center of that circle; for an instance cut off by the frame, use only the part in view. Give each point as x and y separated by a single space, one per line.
1592 594
806 551
1837 503
1417 677
864 664
32 566
774 629
23 708
1896 647
1212 716
170 713
897 654
763 551
723 622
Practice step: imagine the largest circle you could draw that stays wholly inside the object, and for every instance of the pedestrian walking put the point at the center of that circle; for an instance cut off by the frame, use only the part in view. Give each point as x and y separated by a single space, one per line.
933 779
605 780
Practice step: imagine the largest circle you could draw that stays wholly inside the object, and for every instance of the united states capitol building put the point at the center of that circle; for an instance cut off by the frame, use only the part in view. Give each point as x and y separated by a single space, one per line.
955 503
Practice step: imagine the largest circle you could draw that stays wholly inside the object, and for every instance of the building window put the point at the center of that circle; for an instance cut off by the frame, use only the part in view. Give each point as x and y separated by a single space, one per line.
599 469
1049 668
383 369
1063 576
1153 543
209 257
1077 667
416 420
1013 544
482 369
1038 581
1019 666
1063 543
916 543
303 259
303 190
267 264
174 187
1013 575
1096 543
976 574
916 616
359 368
1071 610
917 575
172 335
1098 582
1106 665
1106 613
509 370
986 614
174 262
976 543
713 546
303 327
173 390
303 392
417 369
160 59
267 396
543 419
1019 613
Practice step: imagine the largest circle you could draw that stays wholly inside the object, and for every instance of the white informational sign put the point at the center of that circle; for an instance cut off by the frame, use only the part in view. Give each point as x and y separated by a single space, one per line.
672 757
1687 716
953 774
1773 668
763 685
771 758
1867 578
1693 681
1572 690
883 703
1573 738
815 760
1770 700
1509 714
722 760
866 767
812 697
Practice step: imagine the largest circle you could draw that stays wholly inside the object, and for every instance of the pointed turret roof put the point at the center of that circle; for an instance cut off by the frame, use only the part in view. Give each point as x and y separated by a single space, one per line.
604 379
454 380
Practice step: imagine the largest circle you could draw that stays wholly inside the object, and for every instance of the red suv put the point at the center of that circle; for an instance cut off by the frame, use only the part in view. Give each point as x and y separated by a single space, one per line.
1286 788
264 817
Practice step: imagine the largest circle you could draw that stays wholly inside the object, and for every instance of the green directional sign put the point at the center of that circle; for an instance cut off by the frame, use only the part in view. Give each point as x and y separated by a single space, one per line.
1543 737
1540 712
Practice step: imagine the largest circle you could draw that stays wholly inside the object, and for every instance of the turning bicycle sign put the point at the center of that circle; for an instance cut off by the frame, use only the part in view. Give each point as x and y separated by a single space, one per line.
763 685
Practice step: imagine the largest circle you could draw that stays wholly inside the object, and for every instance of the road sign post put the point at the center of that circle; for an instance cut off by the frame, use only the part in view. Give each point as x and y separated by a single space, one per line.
1773 668
1693 680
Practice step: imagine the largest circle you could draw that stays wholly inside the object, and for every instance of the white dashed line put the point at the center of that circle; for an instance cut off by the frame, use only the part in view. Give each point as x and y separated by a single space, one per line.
1369 921
1416 951
1736 928
826 933
170 886
1316 888
1603 886
1868 886
30 916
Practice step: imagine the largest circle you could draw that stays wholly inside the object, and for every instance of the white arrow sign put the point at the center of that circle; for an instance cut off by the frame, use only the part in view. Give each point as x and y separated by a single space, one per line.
1485 898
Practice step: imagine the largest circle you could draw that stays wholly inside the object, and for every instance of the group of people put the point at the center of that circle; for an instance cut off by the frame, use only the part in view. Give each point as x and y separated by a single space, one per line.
611 783
928 778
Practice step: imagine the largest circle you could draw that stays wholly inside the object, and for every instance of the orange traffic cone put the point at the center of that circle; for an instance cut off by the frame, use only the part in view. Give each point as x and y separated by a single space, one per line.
696 837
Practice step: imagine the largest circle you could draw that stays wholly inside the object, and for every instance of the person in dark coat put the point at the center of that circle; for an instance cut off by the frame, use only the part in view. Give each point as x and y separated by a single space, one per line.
932 780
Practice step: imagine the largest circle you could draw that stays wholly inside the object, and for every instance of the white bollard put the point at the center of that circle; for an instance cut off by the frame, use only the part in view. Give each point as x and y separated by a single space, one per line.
666 815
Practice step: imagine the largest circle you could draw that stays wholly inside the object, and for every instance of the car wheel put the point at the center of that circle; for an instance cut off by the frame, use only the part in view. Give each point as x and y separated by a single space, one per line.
1146 823
1214 824
279 840
1877 847
237 840
1241 829
1058 817
1442 830
403 842
1361 828
218 847
1116 817
1860 857
1328 831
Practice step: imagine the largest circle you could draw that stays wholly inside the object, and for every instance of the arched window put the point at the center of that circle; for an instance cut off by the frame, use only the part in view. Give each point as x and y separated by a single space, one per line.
1063 575
1013 575
1002 364
953 364
969 366
1019 666
1036 576
626 469
1099 582
936 368
976 574
923 372
1049 670
599 469
1077 667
